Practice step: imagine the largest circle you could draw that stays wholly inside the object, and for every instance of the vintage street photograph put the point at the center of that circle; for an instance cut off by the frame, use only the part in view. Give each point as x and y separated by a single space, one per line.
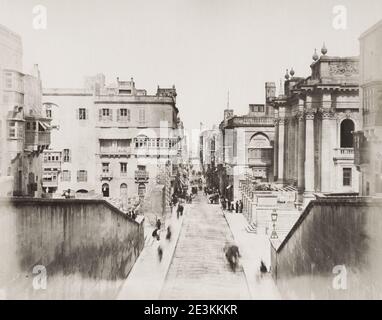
190 150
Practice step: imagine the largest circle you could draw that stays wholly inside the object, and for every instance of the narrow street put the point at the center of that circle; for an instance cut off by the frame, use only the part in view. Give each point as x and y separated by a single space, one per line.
199 269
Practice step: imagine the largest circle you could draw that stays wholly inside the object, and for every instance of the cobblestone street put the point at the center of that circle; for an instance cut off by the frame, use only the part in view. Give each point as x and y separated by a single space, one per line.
199 269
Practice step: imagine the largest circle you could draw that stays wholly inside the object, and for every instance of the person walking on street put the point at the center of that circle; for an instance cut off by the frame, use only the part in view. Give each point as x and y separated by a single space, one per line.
237 206
158 224
241 206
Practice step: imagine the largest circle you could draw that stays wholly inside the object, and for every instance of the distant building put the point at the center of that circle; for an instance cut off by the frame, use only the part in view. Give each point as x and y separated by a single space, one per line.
115 140
24 129
368 140
247 145
316 118
210 151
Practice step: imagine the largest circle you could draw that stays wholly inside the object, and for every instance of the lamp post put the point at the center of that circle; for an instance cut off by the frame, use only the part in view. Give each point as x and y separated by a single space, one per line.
274 219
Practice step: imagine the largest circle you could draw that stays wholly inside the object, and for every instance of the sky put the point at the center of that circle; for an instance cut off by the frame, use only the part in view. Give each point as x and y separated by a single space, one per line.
203 47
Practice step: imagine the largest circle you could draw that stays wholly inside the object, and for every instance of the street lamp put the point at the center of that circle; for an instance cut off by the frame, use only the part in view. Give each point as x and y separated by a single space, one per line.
274 219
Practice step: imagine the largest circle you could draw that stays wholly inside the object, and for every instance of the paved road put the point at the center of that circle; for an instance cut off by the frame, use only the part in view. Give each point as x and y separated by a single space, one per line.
199 269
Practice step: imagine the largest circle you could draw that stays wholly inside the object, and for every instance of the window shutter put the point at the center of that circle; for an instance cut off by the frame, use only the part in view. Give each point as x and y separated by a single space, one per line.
86 114
111 114
77 114
100 114
128 114
118 114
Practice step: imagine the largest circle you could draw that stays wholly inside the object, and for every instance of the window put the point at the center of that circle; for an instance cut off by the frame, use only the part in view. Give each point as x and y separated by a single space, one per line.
106 146
256 108
82 114
12 129
347 129
66 176
82 176
105 190
346 176
141 168
105 167
48 113
123 145
124 115
105 112
123 166
66 155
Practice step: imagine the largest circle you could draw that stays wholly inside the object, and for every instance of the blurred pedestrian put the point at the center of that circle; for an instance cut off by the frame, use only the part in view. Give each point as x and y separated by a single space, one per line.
237 206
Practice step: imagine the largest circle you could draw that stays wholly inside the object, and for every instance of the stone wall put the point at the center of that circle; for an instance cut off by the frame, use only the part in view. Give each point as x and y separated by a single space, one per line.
73 239
334 251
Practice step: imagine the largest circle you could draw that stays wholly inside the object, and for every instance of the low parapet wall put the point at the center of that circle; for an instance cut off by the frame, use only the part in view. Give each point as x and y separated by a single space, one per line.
334 251
87 238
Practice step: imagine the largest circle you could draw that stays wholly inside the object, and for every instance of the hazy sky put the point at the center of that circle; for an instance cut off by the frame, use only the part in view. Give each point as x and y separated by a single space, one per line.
204 47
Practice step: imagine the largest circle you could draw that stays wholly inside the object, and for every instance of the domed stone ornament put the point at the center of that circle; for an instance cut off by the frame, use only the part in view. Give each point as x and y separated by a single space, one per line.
287 75
291 72
315 55
324 51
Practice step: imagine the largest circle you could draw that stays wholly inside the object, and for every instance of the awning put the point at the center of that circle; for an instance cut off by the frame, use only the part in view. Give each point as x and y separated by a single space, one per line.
44 125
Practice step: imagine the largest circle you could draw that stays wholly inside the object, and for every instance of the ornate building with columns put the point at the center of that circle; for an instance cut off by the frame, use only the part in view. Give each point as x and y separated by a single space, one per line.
247 145
368 142
315 121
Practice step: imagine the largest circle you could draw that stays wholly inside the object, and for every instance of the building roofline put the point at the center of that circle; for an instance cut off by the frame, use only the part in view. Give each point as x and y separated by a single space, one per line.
370 30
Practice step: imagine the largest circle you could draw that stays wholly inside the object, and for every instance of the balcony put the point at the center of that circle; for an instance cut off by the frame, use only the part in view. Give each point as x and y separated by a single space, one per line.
36 139
343 154
141 176
111 152
49 181
106 176
55 165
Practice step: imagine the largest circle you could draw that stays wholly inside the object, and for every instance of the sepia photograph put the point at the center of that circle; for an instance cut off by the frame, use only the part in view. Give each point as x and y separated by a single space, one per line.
189 150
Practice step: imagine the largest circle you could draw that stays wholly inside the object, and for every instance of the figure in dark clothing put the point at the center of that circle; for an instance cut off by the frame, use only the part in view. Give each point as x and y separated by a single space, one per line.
179 211
263 268
241 206
160 253
158 224
237 206
168 235
155 234
232 254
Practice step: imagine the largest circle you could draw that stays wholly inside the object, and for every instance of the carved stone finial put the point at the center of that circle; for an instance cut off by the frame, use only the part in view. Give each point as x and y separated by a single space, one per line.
324 51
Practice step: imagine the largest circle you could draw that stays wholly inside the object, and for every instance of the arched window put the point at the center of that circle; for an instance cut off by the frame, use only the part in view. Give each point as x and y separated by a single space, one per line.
123 190
105 190
259 147
347 129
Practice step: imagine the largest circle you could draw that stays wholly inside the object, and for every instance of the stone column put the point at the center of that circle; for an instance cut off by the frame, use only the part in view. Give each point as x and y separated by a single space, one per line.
327 139
301 152
275 150
281 153
309 152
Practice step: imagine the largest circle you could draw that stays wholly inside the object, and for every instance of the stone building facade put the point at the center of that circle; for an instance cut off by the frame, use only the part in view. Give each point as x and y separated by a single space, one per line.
24 129
368 140
315 121
247 145
115 140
